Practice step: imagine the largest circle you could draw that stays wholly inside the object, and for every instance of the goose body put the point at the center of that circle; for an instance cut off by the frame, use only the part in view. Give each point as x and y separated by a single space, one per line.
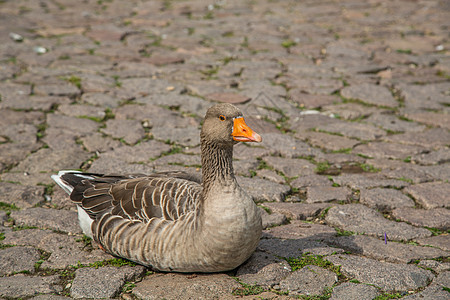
171 221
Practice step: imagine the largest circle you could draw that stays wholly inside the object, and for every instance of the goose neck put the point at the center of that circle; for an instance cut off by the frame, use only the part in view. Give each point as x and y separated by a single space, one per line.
217 165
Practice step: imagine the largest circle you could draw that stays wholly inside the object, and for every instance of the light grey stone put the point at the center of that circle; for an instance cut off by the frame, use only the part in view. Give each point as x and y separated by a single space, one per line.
300 229
131 131
188 136
296 247
387 276
361 219
273 219
435 218
309 280
16 259
20 286
431 292
384 200
358 181
184 286
430 194
290 167
441 241
297 211
349 290
263 269
390 251
21 195
263 190
317 194
104 282
371 94
47 218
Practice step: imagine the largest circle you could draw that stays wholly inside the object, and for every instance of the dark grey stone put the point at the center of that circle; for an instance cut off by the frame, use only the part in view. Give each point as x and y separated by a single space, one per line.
390 251
309 280
47 218
16 259
361 219
371 94
385 200
349 290
387 276
104 282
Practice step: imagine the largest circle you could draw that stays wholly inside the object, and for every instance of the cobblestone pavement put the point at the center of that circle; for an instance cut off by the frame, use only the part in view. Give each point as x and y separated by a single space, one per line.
352 99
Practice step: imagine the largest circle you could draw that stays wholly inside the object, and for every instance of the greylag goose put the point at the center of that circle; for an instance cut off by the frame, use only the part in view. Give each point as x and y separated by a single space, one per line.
168 220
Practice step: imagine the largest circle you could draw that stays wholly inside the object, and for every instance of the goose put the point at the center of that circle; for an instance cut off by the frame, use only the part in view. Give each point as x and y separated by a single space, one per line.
170 221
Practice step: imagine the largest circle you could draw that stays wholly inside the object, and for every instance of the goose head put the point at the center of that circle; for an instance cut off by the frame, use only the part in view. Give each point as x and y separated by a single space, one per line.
224 125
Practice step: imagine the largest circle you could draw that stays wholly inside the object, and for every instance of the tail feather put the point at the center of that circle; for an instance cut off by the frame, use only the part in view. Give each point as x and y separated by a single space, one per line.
67 183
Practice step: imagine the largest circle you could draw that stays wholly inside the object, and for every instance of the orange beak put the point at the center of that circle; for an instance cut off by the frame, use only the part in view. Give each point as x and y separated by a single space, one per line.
243 133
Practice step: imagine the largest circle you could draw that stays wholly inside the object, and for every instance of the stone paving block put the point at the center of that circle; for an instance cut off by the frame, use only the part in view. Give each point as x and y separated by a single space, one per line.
46 159
57 89
432 158
436 218
387 276
388 150
20 132
327 141
287 146
349 290
393 123
311 180
297 211
311 101
433 138
361 219
434 265
272 219
296 247
263 190
391 251
309 280
358 181
20 195
290 167
96 142
371 94
385 200
65 250
349 111
430 118
50 297
19 286
431 292
424 96
104 282
430 194
184 136
317 194
263 269
17 259
264 174
300 229
354 130
47 218
80 110
131 131
185 286
100 99
441 241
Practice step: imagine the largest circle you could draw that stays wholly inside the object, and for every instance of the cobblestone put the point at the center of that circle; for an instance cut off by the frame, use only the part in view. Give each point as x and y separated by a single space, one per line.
351 100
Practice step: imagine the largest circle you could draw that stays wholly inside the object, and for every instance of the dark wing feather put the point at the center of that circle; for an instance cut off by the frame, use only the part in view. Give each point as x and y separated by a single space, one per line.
166 195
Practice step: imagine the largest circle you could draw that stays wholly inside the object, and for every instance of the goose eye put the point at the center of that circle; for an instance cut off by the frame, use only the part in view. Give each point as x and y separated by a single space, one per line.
222 118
